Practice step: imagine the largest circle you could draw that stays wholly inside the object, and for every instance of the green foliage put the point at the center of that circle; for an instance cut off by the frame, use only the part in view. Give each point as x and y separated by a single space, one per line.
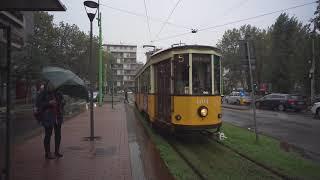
282 53
62 45
229 44
109 60
288 63
316 19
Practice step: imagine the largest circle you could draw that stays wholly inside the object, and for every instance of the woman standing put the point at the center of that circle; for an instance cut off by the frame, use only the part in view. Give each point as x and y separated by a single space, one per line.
50 105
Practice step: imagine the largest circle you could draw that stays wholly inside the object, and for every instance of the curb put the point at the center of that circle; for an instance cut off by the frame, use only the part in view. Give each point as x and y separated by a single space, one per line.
236 108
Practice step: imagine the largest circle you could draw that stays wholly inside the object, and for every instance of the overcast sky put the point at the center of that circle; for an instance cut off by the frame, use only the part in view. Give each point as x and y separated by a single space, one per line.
121 27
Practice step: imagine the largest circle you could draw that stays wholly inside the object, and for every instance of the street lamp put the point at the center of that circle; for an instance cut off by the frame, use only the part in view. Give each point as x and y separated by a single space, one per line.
91 10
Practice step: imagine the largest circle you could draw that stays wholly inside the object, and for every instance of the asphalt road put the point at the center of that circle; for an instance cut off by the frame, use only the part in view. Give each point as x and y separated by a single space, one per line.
298 129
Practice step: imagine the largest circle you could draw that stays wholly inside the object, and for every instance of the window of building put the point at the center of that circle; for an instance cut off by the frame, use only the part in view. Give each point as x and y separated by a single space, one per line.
201 74
181 74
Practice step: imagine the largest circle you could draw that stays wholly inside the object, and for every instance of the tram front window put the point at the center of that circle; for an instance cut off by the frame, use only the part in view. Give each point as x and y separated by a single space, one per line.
201 74
181 74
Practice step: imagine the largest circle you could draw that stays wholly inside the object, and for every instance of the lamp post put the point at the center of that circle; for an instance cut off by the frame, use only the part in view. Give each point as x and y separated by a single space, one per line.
101 94
91 10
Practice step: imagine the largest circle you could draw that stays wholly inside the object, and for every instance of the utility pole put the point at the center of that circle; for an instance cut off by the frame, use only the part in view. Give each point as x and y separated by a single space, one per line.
313 65
100 58
252 93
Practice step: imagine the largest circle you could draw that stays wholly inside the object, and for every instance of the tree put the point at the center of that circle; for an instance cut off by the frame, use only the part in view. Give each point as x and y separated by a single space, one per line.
289 52
30 60
62 45
316 19
232 61
109 60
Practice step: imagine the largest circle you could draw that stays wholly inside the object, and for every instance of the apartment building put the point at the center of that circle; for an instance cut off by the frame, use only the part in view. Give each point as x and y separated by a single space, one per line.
125 67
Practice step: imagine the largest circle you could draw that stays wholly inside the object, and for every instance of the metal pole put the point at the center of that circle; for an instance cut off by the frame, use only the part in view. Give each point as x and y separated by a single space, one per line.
100 59
91 87
104 78
252 94
112 89
8 113
313 64
221 78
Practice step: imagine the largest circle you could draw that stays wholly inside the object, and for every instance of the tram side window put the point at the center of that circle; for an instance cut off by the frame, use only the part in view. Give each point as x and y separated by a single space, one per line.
136 85
144 82
155 72
201 74
148 86
141 83
181 74
217 75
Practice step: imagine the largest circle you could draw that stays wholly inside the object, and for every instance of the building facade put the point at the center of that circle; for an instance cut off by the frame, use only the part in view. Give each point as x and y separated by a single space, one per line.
125 66
21 24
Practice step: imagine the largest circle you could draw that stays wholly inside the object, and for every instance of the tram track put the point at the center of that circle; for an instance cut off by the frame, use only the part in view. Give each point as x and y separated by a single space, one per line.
210 135
188 162
207 166
181 150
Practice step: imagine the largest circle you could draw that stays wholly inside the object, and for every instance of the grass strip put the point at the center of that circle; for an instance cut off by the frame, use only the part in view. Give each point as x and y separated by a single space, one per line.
267 151
217 162
176 165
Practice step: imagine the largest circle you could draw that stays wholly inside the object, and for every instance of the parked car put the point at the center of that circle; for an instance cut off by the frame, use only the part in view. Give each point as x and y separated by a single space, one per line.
238 98
245 98
282 102
316 99
316 109
233 98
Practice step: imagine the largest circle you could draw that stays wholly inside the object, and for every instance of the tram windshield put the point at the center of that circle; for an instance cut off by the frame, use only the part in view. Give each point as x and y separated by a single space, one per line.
181 74
201 74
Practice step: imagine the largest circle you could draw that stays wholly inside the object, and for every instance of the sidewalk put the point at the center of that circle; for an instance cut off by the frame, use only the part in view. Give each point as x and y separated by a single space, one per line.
107 158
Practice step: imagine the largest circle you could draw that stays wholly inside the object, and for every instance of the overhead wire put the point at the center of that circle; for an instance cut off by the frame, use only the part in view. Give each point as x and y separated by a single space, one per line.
148 23
164 24
237 21
144 16
229 10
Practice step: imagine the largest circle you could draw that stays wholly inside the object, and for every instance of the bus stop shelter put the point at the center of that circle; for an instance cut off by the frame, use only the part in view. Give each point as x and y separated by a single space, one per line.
12 6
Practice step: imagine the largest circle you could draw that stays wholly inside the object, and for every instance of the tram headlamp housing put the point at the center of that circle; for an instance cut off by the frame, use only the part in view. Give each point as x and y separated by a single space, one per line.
203 111
178 117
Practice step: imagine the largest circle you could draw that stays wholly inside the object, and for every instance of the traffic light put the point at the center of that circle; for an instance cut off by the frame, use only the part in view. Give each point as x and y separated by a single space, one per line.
255 86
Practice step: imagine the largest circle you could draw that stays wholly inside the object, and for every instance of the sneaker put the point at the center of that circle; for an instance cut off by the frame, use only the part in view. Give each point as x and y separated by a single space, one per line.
58 155
49 156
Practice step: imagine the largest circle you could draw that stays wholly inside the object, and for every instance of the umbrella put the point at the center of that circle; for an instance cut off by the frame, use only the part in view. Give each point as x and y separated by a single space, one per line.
66 82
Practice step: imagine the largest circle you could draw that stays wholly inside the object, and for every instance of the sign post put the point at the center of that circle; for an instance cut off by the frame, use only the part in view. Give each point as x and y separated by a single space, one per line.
247 51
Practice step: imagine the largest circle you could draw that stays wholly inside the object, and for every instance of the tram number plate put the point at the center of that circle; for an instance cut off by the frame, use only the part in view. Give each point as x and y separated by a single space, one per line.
202 101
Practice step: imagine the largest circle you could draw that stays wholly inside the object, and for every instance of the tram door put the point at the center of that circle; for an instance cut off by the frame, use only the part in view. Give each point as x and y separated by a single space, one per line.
163 90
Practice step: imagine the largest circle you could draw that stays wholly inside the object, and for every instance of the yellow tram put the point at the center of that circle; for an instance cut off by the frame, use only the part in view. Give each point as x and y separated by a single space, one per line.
179 88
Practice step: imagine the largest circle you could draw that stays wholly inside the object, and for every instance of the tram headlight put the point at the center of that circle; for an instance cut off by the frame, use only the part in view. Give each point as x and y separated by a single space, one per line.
203 111
178 117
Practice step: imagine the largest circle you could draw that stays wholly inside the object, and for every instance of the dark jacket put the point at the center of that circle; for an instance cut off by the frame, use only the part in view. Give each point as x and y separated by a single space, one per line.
50 114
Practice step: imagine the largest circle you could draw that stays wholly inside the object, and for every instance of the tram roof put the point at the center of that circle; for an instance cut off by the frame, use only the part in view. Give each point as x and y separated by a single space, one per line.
197 47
